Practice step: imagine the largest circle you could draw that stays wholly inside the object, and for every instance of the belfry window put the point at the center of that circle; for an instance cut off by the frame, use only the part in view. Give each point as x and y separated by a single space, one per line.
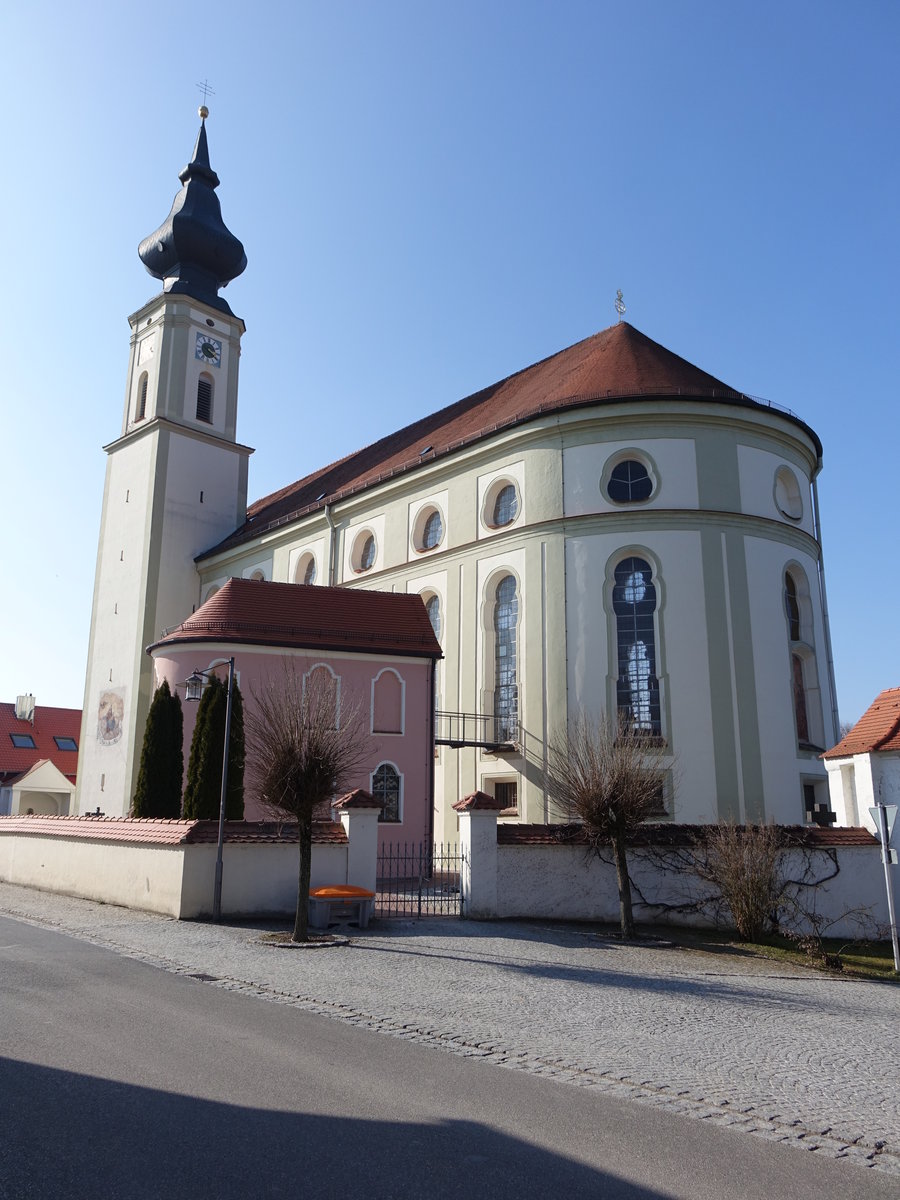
204 399
506 688
142 398
637 685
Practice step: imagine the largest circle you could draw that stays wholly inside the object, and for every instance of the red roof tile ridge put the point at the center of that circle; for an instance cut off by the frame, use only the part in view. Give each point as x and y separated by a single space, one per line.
878 729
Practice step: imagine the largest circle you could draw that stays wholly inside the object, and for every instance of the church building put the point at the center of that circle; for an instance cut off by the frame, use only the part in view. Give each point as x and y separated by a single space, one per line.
611 528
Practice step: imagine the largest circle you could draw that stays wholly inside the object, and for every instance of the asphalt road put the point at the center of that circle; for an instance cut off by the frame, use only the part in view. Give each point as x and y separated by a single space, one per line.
118 1080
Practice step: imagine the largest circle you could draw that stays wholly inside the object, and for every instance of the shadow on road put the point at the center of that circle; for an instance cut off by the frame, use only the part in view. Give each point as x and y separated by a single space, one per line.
72 1136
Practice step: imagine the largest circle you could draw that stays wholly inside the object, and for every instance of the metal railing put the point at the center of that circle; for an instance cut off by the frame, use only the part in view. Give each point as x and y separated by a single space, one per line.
487 730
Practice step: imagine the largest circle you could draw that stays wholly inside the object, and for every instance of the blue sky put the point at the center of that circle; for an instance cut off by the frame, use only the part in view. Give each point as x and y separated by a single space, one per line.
432 196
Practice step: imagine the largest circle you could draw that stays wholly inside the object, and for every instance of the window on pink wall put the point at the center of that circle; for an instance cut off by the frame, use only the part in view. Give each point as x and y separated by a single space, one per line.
387 704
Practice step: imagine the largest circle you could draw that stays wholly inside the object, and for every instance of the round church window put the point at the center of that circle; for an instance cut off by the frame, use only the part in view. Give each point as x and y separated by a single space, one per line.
629 482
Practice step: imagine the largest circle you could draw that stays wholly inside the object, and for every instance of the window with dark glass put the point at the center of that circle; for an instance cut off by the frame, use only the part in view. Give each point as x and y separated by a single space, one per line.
22 741
309 575
800 699
507 792
637 686
65 743
433 531
506 690
792 607
629 482
386 790
204 399
506 506
142 398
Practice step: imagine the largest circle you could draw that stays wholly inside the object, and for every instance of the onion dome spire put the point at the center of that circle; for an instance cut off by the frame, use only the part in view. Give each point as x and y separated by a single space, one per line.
192 251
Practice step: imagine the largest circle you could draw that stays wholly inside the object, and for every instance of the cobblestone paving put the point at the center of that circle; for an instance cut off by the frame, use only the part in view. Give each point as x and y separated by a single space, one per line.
782 1053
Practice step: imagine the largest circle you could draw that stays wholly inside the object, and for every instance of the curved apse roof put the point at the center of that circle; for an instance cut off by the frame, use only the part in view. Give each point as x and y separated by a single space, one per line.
619 363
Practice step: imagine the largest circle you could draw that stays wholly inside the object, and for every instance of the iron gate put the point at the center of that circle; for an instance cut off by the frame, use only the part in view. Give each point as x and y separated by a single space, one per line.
418 880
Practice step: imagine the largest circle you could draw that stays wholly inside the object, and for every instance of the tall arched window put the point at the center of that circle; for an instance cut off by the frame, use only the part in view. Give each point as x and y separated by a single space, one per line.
386 790
506 689
433 608
792 607
204 398
637 685
805 692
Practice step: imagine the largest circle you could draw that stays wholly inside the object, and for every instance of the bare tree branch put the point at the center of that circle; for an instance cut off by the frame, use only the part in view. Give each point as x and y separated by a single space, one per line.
302 749
609 776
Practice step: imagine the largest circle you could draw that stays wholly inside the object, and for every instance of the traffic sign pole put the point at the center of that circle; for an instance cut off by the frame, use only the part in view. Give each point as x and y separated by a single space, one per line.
880 814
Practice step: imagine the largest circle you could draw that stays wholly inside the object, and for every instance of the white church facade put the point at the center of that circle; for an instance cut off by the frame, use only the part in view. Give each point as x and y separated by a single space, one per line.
611 528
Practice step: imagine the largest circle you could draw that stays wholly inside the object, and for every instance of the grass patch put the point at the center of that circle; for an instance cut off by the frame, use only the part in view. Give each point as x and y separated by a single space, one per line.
858 960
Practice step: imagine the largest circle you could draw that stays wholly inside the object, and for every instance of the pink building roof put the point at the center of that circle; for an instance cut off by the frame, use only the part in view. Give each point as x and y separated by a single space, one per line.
256 612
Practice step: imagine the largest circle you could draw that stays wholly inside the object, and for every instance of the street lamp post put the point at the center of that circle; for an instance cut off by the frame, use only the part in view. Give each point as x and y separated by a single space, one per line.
193 689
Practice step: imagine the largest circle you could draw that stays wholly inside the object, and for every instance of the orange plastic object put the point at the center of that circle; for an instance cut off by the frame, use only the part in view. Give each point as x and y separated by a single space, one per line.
340 892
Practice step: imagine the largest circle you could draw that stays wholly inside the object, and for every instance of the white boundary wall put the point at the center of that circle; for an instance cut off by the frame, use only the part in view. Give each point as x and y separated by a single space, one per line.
178 880
566 883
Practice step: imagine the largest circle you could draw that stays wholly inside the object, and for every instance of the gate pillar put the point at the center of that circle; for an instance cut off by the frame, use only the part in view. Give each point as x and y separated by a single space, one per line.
359 816
478 846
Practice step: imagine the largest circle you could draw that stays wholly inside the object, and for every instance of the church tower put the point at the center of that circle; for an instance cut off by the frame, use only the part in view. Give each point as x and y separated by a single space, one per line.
176 477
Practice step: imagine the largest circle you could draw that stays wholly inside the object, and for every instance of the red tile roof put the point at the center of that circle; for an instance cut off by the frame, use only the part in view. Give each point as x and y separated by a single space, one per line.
809 836
479 802
260 613
148 831
619 363
48 723
877 729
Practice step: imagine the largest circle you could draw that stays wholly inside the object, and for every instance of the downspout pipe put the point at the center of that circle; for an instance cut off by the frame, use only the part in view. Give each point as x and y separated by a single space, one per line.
836 732
330 520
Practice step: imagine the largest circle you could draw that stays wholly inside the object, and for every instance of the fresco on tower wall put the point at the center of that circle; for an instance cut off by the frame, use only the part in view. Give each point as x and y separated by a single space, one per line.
110 715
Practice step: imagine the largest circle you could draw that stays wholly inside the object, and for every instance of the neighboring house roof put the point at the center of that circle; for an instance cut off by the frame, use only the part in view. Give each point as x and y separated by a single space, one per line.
877 729
257 612
49 723
619 363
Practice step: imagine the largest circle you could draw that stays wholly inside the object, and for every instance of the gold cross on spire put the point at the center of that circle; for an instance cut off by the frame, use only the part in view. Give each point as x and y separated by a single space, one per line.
207 92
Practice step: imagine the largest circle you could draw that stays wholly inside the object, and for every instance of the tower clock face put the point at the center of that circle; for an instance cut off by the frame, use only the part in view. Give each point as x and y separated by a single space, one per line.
209 350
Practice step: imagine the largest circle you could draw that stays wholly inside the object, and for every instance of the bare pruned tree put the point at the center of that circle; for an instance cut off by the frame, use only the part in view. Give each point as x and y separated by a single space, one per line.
302 748
609 776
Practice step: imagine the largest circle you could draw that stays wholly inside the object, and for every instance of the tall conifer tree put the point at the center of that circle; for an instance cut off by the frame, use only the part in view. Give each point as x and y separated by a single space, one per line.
158 788
203 790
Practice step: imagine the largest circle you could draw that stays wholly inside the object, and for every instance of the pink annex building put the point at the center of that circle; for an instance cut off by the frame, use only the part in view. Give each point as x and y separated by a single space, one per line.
377 649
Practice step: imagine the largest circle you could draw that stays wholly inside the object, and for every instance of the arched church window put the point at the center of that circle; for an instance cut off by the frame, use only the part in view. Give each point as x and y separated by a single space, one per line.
433 608
204 399
629 482
800 711
637 685
792 607
367 554
386 790
506 688
432 531
309 575
142 398
506 506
